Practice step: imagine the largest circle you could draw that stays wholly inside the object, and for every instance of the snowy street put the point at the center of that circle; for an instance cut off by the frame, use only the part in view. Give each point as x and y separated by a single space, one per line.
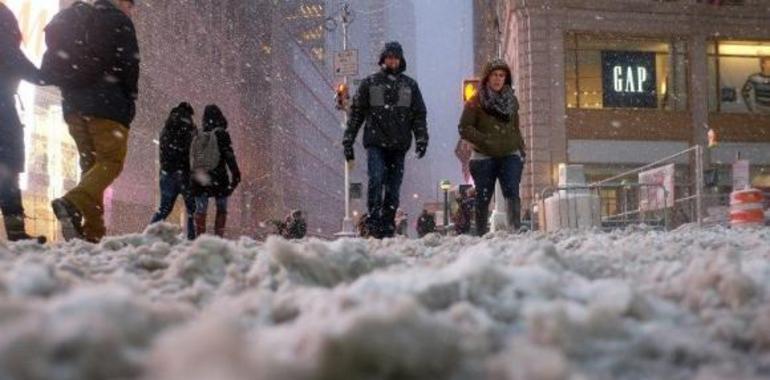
688 304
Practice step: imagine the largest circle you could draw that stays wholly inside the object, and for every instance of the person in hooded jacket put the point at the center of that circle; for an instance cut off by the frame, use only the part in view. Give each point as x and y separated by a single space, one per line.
220 182
14 67
490 122
390 106
175 140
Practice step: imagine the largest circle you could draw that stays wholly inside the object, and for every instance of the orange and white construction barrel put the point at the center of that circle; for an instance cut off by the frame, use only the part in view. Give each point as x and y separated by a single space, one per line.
747 208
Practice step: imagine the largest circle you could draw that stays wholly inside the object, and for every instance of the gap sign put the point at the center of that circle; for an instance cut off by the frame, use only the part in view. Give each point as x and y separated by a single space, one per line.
628 79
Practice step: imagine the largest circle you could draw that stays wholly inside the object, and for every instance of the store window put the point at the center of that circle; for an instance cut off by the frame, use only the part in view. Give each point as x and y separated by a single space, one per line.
739 77
614 71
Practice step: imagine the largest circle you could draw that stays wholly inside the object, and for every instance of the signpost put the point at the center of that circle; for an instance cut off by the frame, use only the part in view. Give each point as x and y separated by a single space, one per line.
657 191
741 178
346 63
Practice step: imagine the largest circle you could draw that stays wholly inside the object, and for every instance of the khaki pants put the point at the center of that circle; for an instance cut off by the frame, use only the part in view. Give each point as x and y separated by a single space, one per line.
102 145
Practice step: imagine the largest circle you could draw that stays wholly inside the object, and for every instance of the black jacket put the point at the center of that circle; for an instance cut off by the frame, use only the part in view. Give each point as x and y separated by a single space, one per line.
222 184
175 140
113 96
14 67
392 107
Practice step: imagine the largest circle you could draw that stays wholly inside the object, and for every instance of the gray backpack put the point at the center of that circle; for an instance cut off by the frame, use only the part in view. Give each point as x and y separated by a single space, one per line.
204 151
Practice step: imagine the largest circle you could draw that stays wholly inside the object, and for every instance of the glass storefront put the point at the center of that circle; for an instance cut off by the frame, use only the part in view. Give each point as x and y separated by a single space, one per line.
51 155
614 71
739 76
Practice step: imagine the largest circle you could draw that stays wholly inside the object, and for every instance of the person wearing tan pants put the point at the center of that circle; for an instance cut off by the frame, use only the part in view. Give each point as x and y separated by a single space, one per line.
99 109
103 145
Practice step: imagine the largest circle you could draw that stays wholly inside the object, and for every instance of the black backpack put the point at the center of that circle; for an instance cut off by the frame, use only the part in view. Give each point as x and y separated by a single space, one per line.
71 59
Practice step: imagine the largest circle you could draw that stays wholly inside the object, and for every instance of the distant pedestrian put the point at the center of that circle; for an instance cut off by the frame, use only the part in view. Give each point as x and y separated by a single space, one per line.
402 223
466 203
215 172
426 223
295 225
490 122
175 140
361 226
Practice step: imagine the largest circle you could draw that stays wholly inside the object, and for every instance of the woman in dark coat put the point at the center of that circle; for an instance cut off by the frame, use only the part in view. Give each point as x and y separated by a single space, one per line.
490 122
14 67
220 182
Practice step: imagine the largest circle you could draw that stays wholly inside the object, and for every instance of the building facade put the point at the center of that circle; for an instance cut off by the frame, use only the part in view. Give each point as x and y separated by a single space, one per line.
617 84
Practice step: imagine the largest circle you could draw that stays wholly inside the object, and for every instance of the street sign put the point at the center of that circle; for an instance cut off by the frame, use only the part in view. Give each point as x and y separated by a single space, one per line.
629 79
356 190
741 175
346 63
657 191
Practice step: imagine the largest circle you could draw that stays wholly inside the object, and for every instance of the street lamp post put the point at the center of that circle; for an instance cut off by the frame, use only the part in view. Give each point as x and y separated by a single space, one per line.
348 229
446 186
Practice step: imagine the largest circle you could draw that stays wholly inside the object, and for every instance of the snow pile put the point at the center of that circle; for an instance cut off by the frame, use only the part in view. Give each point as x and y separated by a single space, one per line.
689 304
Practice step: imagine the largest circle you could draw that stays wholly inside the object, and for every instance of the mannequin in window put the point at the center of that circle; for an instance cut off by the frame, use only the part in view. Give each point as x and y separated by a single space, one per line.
759 85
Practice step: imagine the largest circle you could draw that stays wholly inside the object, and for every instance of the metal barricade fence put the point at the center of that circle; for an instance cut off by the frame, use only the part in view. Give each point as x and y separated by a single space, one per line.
606 206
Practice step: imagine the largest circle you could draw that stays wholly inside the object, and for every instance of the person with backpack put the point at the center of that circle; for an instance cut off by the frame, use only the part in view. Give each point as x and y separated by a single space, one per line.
93 56
391 105
14 67
211 158
490 122
175 141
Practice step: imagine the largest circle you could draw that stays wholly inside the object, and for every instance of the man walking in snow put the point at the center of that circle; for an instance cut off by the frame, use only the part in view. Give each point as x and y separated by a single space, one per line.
99 113
390 105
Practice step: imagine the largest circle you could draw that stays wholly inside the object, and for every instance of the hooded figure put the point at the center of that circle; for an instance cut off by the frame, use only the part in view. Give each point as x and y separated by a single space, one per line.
175 140
220 182
490 123
390 107
14 67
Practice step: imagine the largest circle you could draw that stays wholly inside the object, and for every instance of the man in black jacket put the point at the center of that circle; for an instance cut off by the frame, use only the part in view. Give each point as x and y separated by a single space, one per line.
175 140
391 106
14 67
99 116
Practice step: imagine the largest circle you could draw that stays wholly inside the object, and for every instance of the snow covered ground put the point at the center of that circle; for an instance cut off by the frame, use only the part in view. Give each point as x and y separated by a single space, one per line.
689 304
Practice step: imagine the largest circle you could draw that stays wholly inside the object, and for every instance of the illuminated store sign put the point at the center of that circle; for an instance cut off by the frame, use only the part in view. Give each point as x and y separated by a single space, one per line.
629 79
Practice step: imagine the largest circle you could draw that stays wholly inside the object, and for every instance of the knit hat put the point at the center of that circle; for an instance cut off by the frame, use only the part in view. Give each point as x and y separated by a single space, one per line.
394 49
497 64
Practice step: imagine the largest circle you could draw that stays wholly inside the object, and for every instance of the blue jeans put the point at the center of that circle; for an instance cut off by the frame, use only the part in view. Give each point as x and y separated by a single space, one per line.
386 172
171 186
202 204
485 174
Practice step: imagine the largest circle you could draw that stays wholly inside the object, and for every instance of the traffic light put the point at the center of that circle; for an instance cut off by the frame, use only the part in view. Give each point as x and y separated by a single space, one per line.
343 96
470 88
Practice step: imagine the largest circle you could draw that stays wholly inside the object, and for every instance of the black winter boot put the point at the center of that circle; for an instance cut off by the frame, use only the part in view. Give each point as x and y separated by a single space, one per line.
70 218
482 221
514 214
14 228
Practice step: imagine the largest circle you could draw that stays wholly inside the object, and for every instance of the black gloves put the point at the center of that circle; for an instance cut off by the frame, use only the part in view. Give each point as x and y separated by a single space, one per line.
350 154
422 148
